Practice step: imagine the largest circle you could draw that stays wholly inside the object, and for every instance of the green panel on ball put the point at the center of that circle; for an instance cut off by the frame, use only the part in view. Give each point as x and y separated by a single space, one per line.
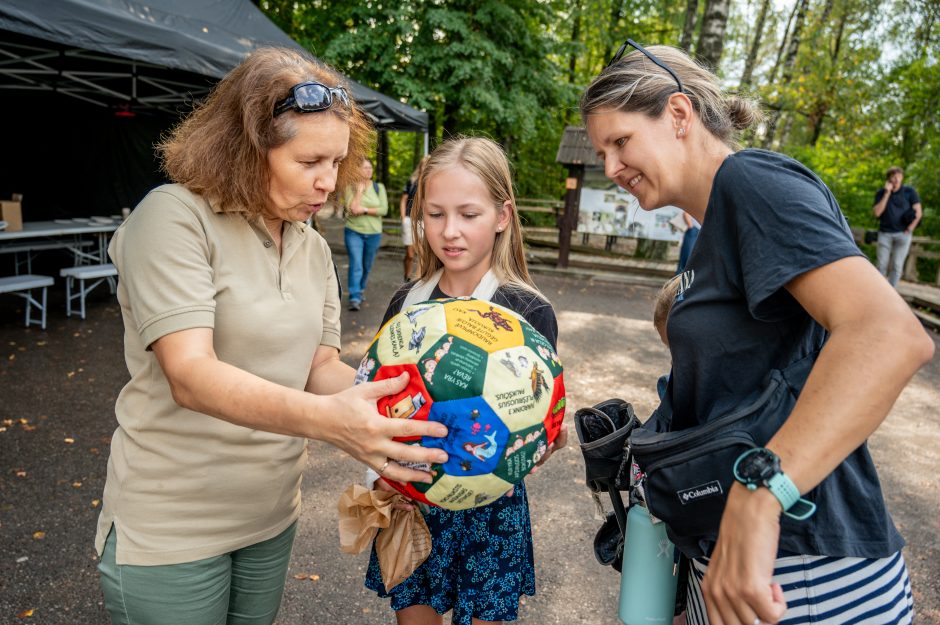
540 345
523 450
453 369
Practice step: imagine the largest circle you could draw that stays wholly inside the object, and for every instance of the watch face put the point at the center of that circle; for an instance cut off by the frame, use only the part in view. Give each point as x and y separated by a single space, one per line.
759 466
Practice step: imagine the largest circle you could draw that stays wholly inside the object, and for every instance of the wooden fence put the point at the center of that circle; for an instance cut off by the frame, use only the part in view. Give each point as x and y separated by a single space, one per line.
921 247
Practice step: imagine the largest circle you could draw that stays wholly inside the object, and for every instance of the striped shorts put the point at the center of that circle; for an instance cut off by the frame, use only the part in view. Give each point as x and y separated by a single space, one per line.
829 591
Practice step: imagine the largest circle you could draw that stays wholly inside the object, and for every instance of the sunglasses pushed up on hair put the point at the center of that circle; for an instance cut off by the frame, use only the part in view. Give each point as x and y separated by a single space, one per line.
310 97
630 43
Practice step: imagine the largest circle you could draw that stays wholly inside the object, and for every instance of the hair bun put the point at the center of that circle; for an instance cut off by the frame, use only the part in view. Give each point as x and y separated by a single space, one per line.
742 112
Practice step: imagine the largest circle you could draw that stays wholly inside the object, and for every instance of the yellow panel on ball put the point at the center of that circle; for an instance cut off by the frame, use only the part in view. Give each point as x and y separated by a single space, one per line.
518 387
406 337
480 323
463 492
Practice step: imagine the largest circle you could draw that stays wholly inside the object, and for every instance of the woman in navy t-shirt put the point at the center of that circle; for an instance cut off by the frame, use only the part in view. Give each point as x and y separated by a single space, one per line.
774 278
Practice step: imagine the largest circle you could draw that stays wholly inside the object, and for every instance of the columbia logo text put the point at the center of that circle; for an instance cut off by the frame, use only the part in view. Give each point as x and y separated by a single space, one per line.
710 489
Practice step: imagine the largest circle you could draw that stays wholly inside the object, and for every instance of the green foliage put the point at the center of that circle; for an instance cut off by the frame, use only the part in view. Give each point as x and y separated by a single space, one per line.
861 95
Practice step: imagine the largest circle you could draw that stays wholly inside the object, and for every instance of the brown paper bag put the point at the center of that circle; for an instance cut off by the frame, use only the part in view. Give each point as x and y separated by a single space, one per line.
405 542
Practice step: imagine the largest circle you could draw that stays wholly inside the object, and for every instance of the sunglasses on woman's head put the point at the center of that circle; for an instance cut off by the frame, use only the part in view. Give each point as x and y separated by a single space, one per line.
652 57
310 97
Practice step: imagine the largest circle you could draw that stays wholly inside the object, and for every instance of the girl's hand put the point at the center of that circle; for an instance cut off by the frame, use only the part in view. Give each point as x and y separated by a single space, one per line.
738 585
406 505
356 427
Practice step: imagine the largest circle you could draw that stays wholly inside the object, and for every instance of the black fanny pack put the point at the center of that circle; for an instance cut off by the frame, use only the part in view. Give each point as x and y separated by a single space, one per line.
688 472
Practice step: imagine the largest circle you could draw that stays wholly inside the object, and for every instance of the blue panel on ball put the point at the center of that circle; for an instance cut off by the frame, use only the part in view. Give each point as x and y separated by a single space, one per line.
475 437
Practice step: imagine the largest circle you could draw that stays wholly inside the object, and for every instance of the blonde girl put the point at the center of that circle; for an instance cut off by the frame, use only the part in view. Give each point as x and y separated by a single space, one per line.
469 242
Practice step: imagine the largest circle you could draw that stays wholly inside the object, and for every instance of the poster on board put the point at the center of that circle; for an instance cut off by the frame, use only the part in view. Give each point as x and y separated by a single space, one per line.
610 210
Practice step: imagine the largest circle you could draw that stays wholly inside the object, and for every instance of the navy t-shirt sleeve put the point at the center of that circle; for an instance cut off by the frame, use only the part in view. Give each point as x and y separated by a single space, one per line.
787 223
912 196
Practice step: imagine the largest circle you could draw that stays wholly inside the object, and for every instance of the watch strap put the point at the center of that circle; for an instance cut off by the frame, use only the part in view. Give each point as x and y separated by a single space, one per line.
788 495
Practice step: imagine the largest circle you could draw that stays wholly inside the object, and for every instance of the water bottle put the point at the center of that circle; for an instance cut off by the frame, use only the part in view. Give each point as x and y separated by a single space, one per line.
648 581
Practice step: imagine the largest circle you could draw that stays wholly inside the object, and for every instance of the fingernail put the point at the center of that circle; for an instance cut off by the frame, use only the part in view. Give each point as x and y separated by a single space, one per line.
439 431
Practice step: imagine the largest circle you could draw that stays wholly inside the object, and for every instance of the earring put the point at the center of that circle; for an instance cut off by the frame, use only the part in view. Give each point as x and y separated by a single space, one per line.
681 132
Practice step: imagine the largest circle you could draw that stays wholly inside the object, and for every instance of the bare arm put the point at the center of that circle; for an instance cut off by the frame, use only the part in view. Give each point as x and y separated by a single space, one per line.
355 204
918 215
329 374
403 205
848 391
881 204
347 419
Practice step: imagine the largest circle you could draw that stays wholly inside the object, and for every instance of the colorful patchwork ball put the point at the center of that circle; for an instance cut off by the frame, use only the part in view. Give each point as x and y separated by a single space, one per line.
484 372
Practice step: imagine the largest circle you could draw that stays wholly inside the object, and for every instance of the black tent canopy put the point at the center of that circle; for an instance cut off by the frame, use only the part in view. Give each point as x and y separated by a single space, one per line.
88 87
111 52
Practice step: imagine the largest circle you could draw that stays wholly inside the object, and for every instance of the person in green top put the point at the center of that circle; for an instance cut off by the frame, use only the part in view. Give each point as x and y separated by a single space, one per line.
366 203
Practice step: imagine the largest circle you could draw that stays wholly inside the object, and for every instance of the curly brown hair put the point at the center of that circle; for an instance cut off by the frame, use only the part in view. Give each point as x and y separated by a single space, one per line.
220 150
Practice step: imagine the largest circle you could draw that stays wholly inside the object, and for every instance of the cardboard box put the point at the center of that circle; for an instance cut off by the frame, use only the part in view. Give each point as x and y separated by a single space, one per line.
12 213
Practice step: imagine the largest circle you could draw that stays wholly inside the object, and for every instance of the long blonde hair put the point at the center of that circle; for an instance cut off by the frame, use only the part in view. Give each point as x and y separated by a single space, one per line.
485 159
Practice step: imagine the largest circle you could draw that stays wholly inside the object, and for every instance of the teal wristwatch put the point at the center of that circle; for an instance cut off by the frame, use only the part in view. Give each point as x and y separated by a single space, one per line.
761 467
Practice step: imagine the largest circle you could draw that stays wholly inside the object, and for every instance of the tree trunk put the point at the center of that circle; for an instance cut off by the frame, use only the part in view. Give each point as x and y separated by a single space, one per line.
432 128
575 37
783 44
573 58
451 119
691 12
418 150
755 46
711 38
818 115
381 169
616 10
788 64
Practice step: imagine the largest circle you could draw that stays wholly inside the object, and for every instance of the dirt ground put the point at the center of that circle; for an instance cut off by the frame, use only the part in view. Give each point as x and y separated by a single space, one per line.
57 392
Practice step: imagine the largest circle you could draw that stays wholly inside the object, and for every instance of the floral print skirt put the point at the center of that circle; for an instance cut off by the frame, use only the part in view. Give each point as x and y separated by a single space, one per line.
480 564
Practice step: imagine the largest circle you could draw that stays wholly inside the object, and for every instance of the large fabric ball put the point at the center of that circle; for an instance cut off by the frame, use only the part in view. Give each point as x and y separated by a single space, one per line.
485 373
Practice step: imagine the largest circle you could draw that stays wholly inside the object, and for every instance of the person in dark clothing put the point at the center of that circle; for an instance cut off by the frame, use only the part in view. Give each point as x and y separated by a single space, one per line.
899 210
775 280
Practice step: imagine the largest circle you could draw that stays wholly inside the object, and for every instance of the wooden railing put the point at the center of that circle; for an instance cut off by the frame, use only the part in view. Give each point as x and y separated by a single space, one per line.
921 247
534 205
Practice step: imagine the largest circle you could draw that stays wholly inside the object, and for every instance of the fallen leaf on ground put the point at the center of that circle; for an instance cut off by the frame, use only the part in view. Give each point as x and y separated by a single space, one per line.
25 613
39 535
69 441
312 578
20 473
95 503
76 484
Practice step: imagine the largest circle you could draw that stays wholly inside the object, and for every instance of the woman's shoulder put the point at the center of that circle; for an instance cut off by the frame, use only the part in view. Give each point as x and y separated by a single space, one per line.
757 162
168 200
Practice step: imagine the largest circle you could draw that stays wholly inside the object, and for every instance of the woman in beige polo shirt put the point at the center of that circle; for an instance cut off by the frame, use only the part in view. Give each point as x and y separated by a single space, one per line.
231 316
